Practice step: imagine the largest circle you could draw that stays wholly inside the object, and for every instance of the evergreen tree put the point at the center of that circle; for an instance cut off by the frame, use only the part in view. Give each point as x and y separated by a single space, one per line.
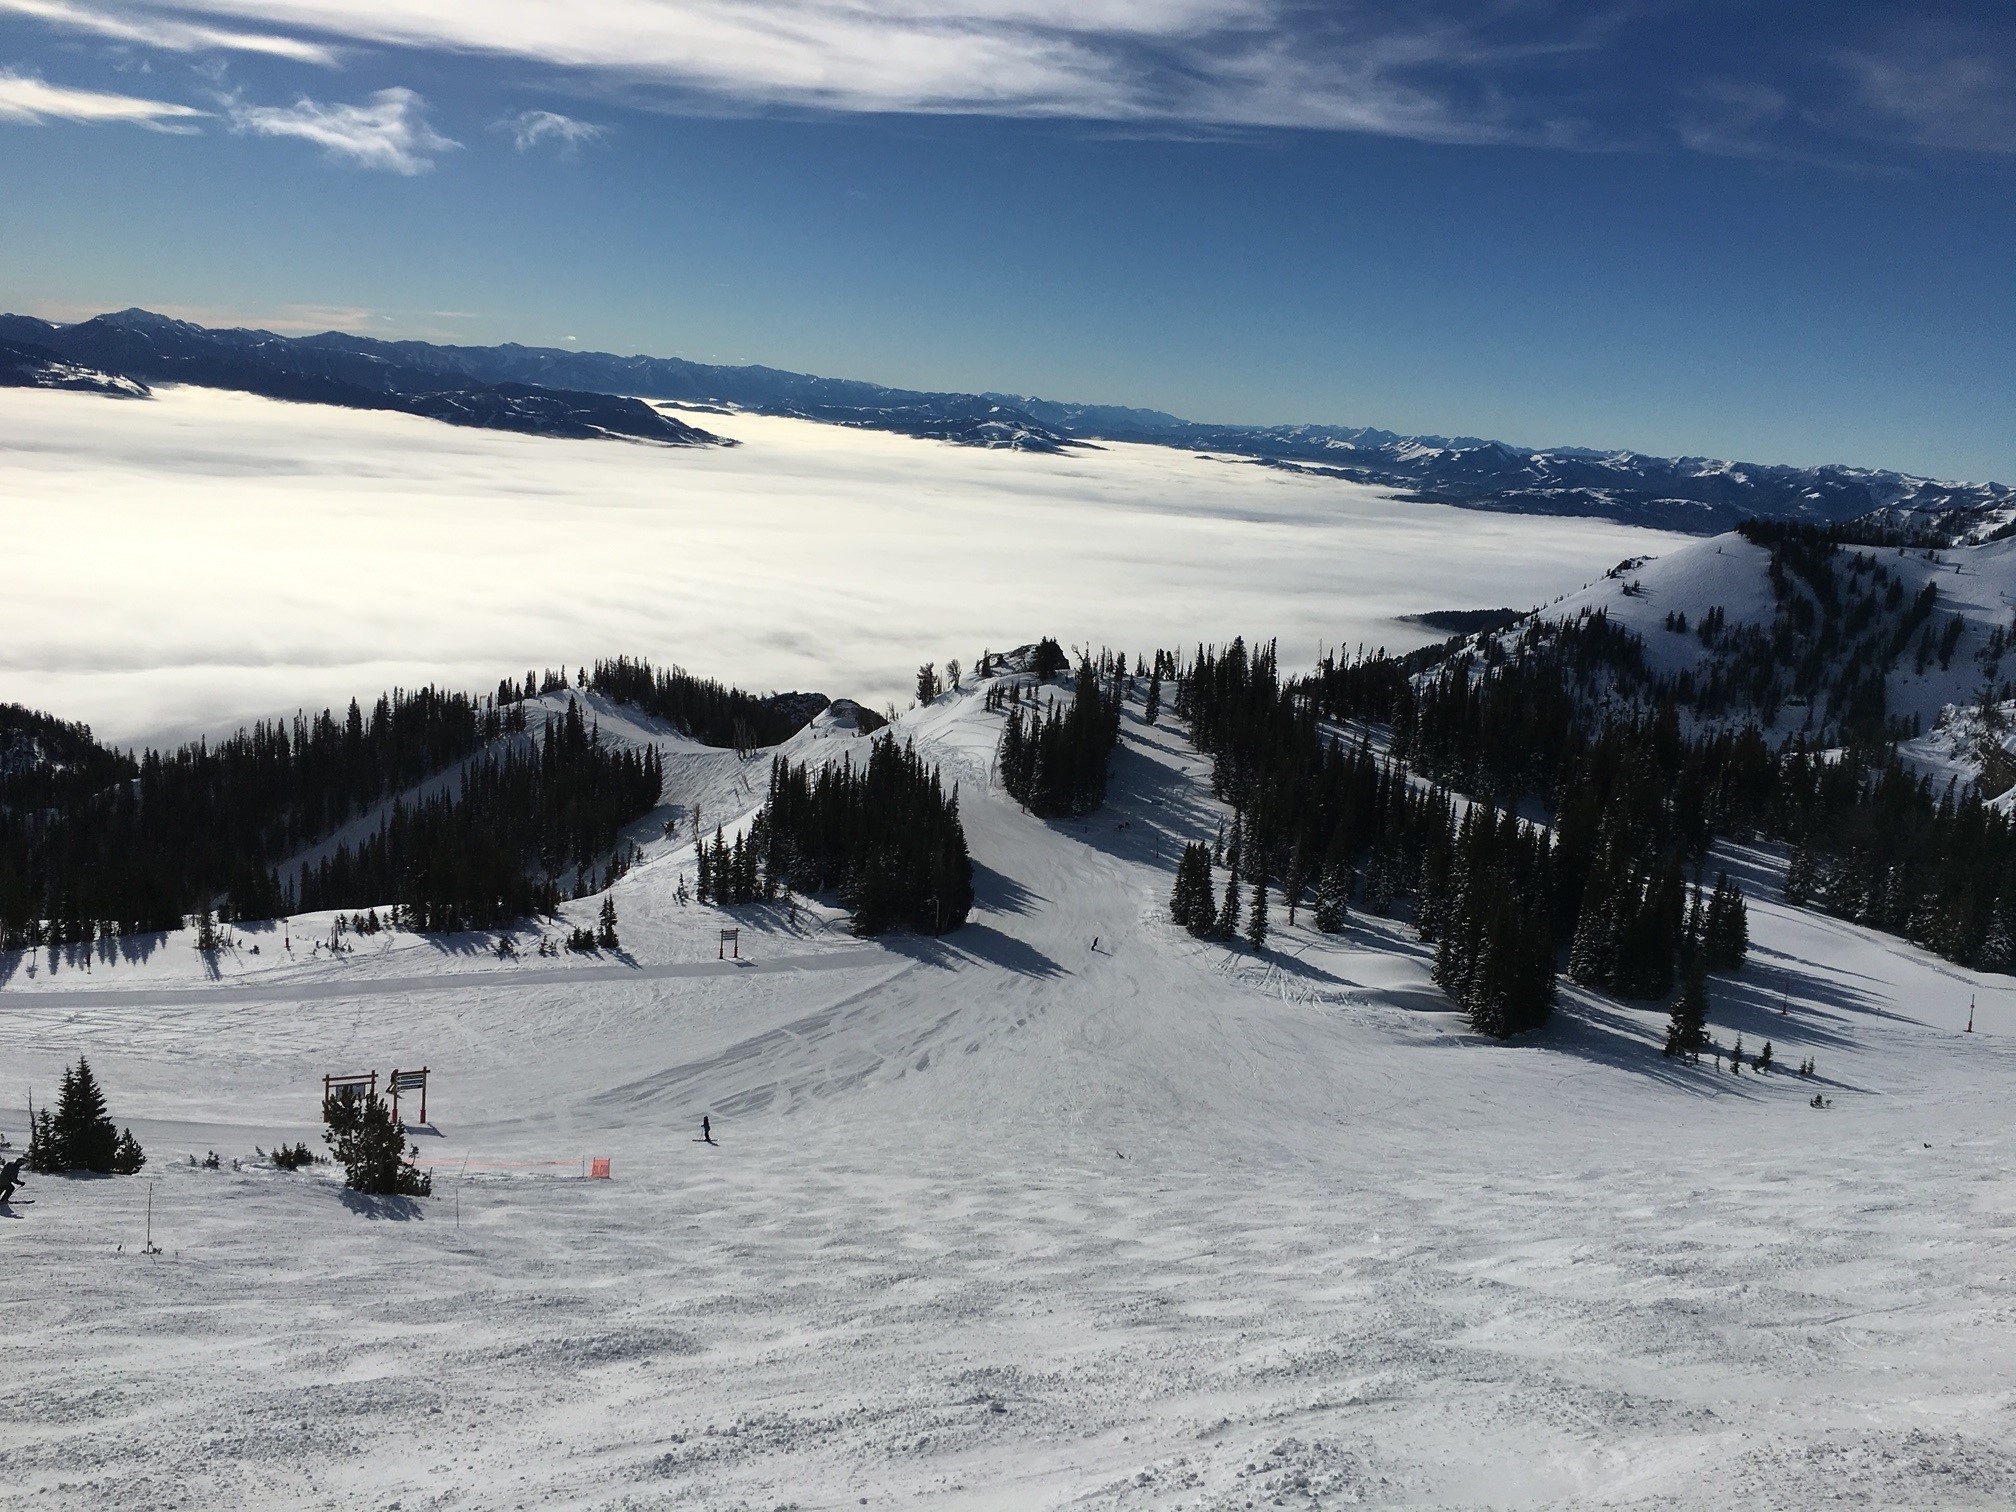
1228 915
1333 898
1687 1021
1726 934
605 933
1192 903
128 1157
85 1135
1152 709
1256 921
371 1146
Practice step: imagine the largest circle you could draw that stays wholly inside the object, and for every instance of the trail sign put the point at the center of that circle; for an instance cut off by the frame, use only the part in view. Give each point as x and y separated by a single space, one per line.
409 1081
731 939
360 1084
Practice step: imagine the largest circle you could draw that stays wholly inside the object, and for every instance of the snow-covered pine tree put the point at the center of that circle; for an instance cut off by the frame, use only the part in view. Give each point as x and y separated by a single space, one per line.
1333 897
605 932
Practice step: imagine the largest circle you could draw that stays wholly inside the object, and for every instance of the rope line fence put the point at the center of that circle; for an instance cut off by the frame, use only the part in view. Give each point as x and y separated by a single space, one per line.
585 1167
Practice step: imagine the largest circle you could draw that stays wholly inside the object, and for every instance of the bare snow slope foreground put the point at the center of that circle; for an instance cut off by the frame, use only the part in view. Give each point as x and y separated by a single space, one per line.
1011 1220
207 558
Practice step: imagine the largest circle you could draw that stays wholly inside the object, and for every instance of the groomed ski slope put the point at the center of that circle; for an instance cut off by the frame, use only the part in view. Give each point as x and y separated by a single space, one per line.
1004 1221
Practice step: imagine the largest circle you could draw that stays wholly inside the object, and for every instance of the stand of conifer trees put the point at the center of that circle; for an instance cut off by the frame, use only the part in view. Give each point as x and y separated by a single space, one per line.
1492 918
520 828
705 710
95 843
1055 762
884 836
1497 896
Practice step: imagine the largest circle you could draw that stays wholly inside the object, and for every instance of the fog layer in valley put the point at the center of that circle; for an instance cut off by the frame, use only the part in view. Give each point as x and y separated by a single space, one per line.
180 565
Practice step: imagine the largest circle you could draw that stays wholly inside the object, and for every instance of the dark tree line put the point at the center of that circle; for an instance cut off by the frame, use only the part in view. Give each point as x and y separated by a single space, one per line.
884 836
518 828
1054 760
1633 807
97 843
1498 895
702 709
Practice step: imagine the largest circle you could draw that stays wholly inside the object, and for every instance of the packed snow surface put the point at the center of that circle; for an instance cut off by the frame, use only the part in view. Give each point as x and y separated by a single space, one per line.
1012 1219
181 565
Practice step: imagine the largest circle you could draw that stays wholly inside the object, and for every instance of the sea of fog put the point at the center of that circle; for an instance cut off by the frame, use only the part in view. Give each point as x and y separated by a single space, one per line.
180 565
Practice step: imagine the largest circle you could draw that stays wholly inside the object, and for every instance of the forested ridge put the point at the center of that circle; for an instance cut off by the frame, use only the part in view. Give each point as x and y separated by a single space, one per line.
98 842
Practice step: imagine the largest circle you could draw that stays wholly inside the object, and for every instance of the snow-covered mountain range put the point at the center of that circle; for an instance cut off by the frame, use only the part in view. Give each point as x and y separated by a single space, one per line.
135 348
554 391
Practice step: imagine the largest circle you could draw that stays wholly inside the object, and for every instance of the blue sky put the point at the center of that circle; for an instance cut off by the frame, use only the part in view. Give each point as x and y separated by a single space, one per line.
1781 233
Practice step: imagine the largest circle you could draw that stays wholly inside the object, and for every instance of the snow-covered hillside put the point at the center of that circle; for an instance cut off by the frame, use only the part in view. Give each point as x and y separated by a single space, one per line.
1710 612
1064 1209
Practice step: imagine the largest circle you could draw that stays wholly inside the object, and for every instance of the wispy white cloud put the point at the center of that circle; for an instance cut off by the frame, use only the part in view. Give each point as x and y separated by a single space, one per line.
1355 65
529 128
389 132
27 100
1939 88
167 33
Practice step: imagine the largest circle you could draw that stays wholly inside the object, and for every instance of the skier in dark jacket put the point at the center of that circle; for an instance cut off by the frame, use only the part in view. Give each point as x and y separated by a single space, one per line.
10 1178
706 1128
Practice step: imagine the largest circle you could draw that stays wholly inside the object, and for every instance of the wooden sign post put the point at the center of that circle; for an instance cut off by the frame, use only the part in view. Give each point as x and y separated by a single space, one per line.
409 1081
731 939
362 1084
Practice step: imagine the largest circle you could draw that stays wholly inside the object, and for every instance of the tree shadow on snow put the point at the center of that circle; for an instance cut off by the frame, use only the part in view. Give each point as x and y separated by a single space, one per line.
1152 811
975 942
1585 1027
999 893
1749 1006
368 1205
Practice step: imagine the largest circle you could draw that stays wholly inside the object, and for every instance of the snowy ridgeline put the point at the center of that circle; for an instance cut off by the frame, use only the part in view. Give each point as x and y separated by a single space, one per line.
1819 642
1065 1208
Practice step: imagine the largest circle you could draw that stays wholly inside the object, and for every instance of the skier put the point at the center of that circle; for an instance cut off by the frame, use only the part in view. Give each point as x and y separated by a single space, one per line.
707 1128
10 1178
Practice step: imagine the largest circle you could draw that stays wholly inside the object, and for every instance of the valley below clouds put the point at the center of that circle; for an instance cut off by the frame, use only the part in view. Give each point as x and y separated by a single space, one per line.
179 566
